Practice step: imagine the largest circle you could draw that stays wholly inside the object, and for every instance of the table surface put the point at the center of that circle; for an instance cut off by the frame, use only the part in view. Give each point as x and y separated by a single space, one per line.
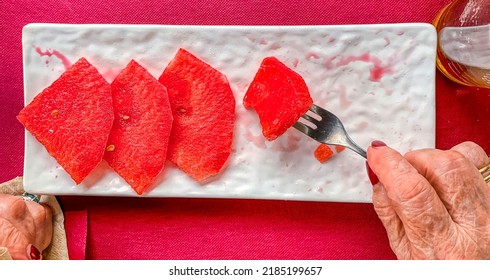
180 228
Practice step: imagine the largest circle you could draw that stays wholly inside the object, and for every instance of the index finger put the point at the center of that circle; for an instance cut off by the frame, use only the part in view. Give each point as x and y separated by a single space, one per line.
415 201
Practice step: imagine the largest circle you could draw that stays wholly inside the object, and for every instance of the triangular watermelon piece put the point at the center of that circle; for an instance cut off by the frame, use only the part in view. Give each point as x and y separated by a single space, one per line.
203 107
137 145
279 96
72 118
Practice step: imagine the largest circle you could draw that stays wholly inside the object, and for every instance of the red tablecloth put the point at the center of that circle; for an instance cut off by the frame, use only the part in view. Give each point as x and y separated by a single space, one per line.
133 228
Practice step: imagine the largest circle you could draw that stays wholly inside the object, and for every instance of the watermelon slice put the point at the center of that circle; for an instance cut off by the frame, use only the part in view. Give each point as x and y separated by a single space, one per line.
203 107
138 141
279 96
72 118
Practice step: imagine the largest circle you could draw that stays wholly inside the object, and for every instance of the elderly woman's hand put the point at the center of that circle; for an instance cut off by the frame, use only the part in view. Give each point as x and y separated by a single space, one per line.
434 204
25 227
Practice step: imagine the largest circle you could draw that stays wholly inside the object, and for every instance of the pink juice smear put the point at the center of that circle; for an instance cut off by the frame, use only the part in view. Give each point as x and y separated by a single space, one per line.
328 62
275 46
290 143
362 126
312 55
346 60
376 71
387 42
57 54
111 74
344 102
295 62
257 140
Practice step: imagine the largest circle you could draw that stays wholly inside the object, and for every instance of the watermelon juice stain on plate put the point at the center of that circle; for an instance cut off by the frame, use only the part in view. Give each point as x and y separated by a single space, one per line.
66 62
275 46
376 72
110 74
312 55
287 143
257 140
295 62
387 42
362 126
344 102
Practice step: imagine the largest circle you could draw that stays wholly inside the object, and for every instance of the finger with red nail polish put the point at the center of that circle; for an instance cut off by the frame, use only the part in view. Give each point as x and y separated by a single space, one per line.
372 177
33 253
377 143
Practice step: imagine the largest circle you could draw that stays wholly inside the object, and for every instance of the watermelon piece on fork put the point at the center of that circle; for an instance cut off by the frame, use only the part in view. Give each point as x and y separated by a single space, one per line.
279 96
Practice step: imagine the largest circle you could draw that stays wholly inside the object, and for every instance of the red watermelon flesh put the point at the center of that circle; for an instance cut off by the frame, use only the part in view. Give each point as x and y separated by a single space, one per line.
323 153
279 96
138 141
72 118
203 107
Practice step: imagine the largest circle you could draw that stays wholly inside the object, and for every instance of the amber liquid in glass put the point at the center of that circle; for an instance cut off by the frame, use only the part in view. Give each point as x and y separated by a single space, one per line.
459 71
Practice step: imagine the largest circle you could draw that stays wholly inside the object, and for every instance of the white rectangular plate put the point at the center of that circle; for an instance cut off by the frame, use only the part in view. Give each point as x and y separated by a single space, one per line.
379 80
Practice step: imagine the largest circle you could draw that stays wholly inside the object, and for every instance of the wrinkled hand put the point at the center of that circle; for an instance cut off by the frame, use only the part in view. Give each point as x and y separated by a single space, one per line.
434 204
25 227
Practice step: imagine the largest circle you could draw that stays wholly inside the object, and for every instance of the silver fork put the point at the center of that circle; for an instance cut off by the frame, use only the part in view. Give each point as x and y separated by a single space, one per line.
329 130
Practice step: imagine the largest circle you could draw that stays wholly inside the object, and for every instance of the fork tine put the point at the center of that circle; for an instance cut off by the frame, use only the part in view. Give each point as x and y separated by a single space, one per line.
303 128
310 119
316 109
320 111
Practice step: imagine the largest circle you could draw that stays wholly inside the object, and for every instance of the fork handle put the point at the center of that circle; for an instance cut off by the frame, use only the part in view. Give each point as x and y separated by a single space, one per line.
353 146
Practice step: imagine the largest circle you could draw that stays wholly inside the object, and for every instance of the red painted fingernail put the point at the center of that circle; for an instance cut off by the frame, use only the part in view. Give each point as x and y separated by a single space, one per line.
372 177
34 253
377 143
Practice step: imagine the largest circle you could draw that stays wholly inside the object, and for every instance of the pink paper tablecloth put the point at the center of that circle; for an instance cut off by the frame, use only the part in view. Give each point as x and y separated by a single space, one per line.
132 228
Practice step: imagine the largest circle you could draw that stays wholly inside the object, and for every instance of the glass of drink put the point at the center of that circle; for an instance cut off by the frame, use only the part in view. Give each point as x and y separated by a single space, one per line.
463 49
